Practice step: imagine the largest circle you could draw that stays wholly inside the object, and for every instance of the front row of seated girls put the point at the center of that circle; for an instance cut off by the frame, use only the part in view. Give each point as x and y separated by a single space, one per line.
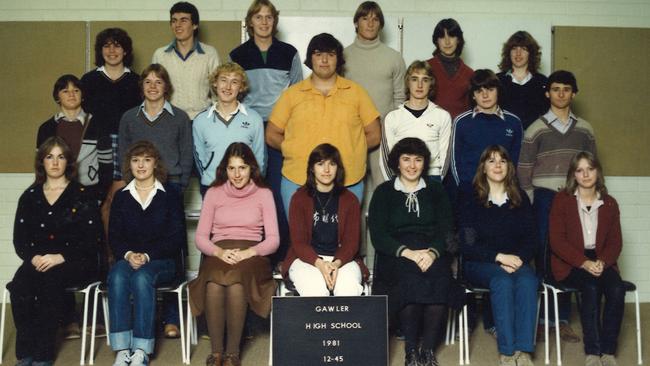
57 231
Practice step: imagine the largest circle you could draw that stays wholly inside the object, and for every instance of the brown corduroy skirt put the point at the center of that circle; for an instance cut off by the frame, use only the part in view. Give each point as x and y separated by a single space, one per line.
254 274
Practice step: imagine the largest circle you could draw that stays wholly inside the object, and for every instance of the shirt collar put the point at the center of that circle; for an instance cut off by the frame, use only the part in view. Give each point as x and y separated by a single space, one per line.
400 187
582 206
499 113
499 202
240 108
166 107
196 46
103 70
341 83
528 77
134 192
551 117
81 117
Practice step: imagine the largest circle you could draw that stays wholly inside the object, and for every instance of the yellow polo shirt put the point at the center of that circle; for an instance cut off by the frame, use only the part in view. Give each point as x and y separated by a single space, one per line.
310 118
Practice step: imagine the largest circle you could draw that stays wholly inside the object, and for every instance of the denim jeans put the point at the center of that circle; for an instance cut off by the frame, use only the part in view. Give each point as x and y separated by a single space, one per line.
514 303
542 200
289 188
599 337
133 327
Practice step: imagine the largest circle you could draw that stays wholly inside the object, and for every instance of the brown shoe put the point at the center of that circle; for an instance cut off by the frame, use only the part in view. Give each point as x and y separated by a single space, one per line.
231 359
567 334
72 331
214 359
171 331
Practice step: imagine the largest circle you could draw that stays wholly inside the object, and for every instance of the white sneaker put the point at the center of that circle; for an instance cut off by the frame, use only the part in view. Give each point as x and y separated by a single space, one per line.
122 358
139 358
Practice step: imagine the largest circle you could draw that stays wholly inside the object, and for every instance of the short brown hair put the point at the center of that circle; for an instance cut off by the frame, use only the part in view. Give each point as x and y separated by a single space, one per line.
572 185
255 8
160 71
43 150
227 68
419 65
140 148
244 152
368 7
525 40
480 183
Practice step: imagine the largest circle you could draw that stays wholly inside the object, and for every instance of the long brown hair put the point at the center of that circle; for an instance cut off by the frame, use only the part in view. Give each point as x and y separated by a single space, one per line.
481 186
140 148
244 152
320 153
521 39
572 184
46 147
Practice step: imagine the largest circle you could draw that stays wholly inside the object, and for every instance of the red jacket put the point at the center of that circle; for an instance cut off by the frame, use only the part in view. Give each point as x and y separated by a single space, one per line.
451 93
301 213
567 242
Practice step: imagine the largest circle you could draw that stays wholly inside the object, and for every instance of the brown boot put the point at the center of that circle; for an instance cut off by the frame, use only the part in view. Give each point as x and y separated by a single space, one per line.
231 359
214 359
567 334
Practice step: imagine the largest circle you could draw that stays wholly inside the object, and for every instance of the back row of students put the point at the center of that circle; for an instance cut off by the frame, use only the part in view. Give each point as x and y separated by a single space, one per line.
349 120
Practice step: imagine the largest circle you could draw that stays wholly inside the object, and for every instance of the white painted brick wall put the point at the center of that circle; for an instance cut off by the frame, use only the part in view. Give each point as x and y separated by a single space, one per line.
633 193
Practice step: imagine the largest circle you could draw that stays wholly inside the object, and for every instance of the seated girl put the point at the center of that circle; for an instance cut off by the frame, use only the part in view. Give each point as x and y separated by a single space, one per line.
410 220
56 234
497 234
146 233
585 238
237 229
324 225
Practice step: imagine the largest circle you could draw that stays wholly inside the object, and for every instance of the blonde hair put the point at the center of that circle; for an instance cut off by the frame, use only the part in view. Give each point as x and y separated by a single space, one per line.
226 68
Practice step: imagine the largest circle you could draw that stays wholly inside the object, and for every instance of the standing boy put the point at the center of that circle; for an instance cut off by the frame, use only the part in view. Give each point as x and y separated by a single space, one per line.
188 61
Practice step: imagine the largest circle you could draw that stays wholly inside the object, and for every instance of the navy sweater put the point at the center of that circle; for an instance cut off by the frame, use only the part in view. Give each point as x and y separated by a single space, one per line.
158 231
487 231
473 133
527 101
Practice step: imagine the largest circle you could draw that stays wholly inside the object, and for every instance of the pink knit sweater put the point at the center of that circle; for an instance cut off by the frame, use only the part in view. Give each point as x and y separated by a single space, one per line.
242 214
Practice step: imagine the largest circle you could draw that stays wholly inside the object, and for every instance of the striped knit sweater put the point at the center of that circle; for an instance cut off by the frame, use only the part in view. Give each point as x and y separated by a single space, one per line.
546 153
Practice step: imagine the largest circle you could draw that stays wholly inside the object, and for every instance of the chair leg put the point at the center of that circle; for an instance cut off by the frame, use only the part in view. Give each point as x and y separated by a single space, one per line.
638 328
448 331
107 322
84 322
557 329
461 338
539 302
188 325
2 322
179 292
93 327
547 357
466 327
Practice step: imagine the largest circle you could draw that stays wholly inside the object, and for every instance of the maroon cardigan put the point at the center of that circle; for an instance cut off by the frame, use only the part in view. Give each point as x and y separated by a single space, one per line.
301 213
567 242
451 92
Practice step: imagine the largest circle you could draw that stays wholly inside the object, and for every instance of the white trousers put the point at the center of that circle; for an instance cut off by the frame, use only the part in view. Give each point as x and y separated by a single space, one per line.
309 280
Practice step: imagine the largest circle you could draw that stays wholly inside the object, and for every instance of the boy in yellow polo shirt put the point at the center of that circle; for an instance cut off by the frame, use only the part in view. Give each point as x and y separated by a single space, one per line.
324 108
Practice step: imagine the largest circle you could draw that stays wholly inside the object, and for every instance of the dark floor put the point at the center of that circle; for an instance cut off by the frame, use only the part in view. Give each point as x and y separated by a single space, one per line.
255 352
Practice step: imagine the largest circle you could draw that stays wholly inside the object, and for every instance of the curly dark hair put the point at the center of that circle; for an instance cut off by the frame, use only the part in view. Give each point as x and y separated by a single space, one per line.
525 40
410 146
115 36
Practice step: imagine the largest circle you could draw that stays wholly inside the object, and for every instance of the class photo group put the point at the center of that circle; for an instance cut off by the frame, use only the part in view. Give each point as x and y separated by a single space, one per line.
455 177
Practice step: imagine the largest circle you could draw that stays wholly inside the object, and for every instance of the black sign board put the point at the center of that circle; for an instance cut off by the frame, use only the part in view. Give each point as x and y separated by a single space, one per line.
312 331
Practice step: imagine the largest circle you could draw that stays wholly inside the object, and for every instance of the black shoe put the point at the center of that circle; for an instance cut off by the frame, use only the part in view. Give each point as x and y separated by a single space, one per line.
428 358
412 358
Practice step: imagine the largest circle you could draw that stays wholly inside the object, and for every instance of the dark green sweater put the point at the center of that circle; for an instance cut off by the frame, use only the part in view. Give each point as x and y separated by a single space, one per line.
389 218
